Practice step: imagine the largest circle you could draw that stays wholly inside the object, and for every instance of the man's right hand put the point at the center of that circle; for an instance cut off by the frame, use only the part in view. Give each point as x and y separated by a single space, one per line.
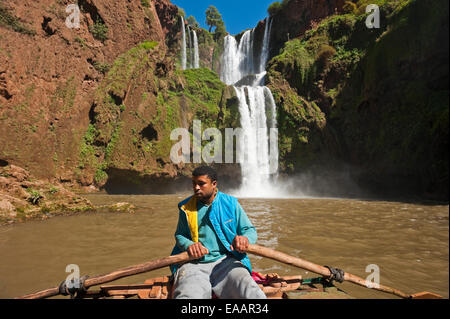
197 250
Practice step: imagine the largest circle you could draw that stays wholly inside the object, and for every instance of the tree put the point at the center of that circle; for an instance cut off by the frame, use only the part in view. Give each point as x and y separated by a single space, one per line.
213 18
192 22
220 31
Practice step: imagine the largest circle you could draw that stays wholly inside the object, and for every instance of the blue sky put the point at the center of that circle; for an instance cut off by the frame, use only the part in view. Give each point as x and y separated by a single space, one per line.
238 15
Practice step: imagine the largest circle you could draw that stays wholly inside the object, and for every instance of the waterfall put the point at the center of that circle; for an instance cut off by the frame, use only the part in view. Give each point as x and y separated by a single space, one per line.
194 60
191 57
183 45
258 151
265 48
196 56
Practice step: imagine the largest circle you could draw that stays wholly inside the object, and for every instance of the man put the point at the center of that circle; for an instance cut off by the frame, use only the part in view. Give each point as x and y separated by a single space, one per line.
214 229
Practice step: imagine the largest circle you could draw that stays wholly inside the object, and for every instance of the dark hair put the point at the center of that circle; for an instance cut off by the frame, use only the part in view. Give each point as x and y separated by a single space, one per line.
205 170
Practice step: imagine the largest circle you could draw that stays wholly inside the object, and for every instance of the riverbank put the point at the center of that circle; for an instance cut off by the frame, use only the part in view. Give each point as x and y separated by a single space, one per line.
24 198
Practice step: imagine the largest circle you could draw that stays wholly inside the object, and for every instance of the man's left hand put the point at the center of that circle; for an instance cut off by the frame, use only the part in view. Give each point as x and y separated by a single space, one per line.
240 244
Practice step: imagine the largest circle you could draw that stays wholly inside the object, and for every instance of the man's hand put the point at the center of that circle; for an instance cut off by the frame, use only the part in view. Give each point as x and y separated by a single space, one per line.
197 250
240 244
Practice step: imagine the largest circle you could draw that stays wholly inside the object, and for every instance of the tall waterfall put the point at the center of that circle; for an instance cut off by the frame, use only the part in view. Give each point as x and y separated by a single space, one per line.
193 48
196 56
258 151
183 45
191 57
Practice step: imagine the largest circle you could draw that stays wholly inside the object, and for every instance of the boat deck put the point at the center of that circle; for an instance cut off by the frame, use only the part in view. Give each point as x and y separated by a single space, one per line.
273 285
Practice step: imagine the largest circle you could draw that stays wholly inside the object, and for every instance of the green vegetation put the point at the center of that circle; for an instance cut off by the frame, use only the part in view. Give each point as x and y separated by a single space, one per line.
99 31
145 3
102 67
192 22
53 190
181 12
379 105
276 7
100 176
10 21
34 197
148 45
214 19
204 88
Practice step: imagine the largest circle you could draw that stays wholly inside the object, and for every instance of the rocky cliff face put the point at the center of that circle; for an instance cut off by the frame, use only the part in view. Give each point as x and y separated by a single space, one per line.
374 99
49 73
298 16
95 105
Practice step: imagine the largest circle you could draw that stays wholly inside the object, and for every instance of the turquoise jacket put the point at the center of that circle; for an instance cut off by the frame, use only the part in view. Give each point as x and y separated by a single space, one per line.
223 218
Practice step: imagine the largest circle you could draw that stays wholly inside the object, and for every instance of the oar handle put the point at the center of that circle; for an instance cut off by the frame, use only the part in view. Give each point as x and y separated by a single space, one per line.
321 270
124 272
184 257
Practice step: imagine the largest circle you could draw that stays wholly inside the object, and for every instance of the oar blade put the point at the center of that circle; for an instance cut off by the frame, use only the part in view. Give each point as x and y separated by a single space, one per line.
426 295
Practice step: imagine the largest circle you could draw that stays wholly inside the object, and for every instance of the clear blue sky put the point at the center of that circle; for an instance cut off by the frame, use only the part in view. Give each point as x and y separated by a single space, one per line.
238 15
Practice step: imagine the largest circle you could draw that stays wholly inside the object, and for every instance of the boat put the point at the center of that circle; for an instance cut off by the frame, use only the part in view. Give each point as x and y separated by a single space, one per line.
273 285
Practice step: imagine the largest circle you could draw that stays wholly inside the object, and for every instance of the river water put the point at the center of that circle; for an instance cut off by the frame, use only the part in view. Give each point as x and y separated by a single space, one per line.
409 242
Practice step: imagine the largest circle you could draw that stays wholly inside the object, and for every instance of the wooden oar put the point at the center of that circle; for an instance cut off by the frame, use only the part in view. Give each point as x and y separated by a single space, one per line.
124 272
297 262
253 249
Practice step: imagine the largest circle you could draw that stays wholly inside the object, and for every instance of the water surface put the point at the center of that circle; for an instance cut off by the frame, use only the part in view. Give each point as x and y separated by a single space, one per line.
407 241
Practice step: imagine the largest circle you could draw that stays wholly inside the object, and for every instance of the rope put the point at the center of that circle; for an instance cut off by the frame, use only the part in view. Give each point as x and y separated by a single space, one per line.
336 274
74 290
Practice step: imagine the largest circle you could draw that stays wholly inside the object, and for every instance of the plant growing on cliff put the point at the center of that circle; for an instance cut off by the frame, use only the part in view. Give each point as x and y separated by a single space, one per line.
34 197
100 176
192 22
276 7
9 20
99 31
214 19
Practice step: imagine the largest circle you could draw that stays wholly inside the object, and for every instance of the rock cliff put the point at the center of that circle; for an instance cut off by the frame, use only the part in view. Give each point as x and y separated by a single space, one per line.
373 99
94 106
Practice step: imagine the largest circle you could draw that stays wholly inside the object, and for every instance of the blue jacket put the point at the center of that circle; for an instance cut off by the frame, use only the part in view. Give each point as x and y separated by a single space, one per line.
223 219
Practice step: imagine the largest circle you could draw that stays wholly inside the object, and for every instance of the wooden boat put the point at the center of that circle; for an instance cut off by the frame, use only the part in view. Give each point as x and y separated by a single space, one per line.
273 285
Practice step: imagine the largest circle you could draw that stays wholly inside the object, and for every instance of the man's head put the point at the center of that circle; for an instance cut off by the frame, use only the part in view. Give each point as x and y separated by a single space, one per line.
204 183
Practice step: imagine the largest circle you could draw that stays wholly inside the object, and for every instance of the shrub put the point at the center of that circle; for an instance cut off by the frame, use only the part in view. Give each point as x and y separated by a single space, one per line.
274 8
99 31
148 45
102 67
100 176
325 53
53 190
350 7
34 197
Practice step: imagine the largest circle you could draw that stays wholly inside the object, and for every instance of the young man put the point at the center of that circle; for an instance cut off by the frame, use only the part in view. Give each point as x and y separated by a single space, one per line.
214 229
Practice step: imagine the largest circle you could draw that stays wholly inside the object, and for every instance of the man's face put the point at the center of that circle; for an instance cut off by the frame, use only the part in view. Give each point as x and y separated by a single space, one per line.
203 187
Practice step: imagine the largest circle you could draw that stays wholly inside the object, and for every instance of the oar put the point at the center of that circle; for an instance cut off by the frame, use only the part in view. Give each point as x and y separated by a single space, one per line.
254 249
321 270
124 272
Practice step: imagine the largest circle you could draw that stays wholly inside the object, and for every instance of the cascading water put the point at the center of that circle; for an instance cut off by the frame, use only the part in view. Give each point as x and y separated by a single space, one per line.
258 151
196 56
193 48
183 45
190 47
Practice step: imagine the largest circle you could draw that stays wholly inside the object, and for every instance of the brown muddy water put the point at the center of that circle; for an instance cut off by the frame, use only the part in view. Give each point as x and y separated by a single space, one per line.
409 242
